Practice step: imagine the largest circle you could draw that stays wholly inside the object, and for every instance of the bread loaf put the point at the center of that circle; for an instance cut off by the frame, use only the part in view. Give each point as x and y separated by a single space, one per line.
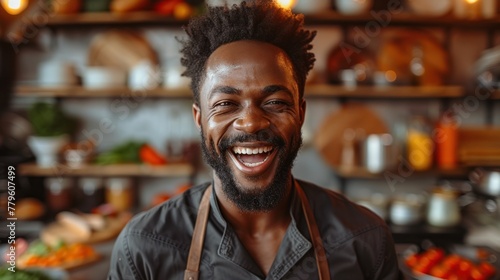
75 223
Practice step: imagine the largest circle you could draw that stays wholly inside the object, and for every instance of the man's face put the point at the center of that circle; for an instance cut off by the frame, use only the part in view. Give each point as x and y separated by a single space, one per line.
250 117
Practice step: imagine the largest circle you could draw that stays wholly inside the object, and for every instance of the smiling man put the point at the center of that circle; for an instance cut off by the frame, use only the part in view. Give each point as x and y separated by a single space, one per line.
248 64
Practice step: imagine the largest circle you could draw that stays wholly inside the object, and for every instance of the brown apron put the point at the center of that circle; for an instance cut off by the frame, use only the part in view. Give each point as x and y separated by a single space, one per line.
193 263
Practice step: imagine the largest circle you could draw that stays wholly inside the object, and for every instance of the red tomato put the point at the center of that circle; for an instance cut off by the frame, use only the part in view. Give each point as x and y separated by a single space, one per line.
424 265
412 260
477 274
435 254
487 269
455 276
464 267
452 261
440 271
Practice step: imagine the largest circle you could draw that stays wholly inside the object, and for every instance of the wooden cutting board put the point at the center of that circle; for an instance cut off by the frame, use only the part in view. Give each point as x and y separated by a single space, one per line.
55 232
329 138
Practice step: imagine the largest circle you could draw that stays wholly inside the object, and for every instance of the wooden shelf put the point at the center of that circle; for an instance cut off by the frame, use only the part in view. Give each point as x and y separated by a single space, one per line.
385 92
136 170
330 17
146 18
82 92
406 19
362 173
376 92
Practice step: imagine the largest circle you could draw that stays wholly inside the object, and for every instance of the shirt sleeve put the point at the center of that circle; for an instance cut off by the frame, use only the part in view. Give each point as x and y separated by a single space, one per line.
121 266
388 265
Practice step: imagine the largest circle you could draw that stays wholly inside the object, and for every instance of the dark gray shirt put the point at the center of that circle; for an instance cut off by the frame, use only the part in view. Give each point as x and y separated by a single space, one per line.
155 243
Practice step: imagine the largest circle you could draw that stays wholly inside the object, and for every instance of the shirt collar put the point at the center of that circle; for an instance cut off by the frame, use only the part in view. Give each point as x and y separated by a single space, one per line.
294 246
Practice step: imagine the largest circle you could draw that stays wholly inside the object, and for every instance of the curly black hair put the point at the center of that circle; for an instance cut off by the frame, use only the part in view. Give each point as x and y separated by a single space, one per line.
263 21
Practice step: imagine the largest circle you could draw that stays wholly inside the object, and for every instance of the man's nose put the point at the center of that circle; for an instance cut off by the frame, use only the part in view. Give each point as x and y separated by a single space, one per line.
251 120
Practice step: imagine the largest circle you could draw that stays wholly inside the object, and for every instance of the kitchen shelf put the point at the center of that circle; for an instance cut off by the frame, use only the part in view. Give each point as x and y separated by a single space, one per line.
330 17
82 92
362 173
320 90
384 92
136 170
145 18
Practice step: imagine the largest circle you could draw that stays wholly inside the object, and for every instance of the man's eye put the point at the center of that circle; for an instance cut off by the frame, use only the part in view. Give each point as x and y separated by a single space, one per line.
277 102
223 104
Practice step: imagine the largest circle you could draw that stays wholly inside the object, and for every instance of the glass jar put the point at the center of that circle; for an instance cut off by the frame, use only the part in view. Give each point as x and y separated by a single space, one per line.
420 146
119 193
58 193
90 193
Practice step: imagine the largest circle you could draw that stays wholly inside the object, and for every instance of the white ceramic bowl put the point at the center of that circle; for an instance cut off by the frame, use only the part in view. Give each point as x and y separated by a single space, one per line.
353 7
57 73
430 7
103 77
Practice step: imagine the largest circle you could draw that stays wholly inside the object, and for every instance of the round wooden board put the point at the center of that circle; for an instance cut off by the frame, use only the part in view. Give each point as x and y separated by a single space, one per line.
55 232
328 139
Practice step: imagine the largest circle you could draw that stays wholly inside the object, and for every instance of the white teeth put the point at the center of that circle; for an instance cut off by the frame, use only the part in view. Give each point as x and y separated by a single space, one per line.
255 163
251 151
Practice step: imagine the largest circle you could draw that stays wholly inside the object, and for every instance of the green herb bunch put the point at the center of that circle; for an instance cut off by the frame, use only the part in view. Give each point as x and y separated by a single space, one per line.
49 120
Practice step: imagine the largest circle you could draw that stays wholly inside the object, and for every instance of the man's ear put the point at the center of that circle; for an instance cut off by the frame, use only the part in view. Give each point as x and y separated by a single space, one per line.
302 111
197 115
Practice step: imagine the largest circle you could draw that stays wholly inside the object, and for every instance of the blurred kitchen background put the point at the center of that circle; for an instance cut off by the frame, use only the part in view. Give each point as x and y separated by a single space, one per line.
402 109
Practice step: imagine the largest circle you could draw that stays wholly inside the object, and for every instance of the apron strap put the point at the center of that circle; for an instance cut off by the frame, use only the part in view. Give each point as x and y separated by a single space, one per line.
319 250
194 257
193 263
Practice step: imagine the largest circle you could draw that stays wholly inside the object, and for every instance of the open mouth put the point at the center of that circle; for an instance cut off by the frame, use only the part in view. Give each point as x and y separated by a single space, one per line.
253 159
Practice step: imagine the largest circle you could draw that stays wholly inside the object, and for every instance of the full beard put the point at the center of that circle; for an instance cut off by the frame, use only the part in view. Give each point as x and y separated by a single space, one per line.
260 199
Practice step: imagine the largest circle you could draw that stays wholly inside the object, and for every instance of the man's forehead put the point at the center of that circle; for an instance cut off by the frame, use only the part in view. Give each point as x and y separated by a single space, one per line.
246 49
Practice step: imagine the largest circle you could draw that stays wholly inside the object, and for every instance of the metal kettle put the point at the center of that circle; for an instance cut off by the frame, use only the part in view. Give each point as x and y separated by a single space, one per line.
443 209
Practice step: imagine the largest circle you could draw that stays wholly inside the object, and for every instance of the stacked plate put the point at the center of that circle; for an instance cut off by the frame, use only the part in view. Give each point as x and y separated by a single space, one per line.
487 68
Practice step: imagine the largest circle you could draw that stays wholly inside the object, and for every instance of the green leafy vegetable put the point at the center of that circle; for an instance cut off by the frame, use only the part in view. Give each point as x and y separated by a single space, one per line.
49 120
38 248
19 274
125 153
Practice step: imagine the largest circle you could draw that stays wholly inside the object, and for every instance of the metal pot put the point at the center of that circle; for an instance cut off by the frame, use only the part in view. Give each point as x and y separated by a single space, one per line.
486 182
443 208
407 210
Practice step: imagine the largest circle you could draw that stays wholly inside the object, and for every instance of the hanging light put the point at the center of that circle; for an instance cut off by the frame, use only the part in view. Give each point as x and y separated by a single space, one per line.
287 4
14 7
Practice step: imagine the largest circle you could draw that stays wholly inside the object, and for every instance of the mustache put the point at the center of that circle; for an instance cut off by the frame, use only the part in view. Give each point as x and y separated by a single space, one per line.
262 136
